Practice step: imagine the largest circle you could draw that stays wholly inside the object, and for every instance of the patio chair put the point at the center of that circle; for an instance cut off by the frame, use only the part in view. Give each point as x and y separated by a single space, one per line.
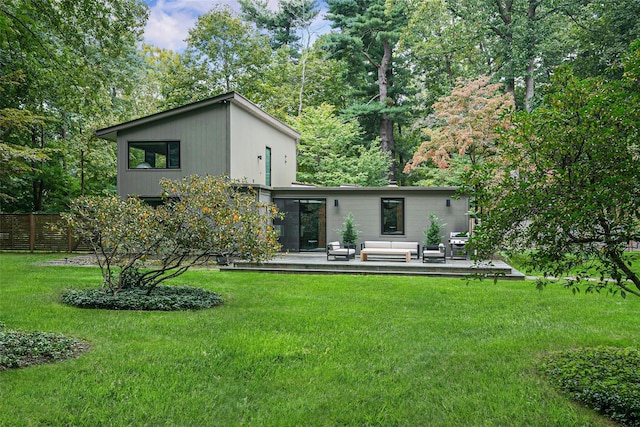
434 253
335 250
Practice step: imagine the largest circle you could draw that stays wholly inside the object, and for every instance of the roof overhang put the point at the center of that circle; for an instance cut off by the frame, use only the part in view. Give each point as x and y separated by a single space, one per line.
111 133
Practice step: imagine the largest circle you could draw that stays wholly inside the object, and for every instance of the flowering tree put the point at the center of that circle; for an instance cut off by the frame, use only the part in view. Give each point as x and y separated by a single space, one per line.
468 120
202 218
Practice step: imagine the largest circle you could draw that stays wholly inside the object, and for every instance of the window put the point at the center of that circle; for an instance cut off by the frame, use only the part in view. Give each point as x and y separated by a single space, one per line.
267 165
392 216
154 155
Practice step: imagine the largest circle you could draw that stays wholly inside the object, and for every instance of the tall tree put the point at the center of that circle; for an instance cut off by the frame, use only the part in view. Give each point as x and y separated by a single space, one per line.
70 61
603 32
232 53
368 35
331 153
284 24
442 48
523 39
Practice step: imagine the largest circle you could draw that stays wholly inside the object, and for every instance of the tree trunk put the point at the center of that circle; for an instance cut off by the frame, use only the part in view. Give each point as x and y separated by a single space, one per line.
529 85
387 142
531 51
505 10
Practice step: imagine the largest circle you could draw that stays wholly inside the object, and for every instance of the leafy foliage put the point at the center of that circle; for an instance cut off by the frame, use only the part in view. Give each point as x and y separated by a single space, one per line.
432 233
565 183
282 24
202 218
19 349
466 124
368 36
605 379
349 230
331 152
164 298
62 67
229 53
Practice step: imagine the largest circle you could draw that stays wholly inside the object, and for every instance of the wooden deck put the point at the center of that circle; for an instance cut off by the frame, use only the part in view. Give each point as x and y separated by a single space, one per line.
316 263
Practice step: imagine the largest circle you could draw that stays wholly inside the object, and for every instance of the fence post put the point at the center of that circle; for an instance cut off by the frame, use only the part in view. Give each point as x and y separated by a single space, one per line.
32 232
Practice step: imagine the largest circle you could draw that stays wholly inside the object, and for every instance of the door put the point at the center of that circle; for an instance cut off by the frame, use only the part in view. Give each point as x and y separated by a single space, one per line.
304 227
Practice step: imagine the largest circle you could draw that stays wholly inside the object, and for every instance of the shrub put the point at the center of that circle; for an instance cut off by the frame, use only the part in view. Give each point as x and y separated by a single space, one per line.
604 379
349 231
131 278
432 235
163 298
19 349
202 218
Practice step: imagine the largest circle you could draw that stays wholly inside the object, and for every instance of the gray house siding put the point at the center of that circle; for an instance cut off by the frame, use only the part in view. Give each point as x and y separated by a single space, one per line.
250 139
200 152
365 205
224 135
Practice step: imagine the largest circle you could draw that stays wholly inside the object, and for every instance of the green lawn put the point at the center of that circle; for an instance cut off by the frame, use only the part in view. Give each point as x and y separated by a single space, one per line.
293 350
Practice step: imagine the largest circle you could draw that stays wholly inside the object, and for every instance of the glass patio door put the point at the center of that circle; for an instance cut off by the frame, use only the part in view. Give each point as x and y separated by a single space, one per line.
304 226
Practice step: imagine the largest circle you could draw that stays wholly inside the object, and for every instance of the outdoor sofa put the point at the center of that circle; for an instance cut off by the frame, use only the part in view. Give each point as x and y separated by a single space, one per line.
389 249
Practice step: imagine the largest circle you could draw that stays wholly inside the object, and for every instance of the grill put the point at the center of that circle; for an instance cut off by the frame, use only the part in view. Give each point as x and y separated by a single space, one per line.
457 243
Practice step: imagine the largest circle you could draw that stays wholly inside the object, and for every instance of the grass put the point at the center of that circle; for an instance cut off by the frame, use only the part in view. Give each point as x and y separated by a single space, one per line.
289 350
519 262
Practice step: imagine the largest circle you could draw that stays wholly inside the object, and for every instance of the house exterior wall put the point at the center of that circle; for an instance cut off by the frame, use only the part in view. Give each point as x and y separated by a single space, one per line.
249 139
365 205
204 150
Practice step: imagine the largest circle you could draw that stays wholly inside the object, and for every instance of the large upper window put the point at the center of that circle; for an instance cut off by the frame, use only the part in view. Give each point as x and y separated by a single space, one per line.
154 155
392 216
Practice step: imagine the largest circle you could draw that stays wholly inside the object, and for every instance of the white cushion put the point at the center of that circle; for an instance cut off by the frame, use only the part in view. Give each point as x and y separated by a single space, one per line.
385 251
376 244
334 245
342 252
405 245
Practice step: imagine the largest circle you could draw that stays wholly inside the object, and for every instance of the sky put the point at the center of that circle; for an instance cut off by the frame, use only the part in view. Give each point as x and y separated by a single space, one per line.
170 20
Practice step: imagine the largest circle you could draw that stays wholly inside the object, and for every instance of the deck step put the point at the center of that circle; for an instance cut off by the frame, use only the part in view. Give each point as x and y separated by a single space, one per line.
401 269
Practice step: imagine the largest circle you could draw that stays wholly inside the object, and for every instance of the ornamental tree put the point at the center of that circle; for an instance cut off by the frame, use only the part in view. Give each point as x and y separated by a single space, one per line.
201 218
566 183
466 123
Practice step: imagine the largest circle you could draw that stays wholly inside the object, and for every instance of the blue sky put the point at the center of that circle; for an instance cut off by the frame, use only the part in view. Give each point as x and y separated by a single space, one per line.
170 20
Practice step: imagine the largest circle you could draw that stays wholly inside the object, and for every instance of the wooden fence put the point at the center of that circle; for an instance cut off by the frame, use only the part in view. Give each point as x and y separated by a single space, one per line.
35 232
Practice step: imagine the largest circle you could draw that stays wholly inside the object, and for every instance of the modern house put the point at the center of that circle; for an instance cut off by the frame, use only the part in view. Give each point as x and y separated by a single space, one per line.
224 135
230 135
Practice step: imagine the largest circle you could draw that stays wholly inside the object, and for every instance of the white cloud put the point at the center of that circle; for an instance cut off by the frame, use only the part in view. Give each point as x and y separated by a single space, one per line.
170 20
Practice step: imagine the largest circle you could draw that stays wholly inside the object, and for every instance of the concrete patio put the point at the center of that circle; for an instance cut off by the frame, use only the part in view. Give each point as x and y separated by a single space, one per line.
316 263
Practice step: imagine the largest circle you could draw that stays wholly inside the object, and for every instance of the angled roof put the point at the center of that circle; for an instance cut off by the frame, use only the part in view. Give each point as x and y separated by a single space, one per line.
110 133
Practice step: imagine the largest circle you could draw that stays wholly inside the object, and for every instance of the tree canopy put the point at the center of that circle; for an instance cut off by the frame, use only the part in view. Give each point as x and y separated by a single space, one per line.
565 185
68 68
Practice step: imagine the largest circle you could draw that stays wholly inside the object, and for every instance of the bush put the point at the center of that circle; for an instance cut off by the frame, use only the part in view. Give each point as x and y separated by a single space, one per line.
20 349
200 219
604 379
131 278
163 298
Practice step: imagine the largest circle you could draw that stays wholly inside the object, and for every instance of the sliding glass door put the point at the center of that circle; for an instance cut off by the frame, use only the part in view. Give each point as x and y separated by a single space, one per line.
304 225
